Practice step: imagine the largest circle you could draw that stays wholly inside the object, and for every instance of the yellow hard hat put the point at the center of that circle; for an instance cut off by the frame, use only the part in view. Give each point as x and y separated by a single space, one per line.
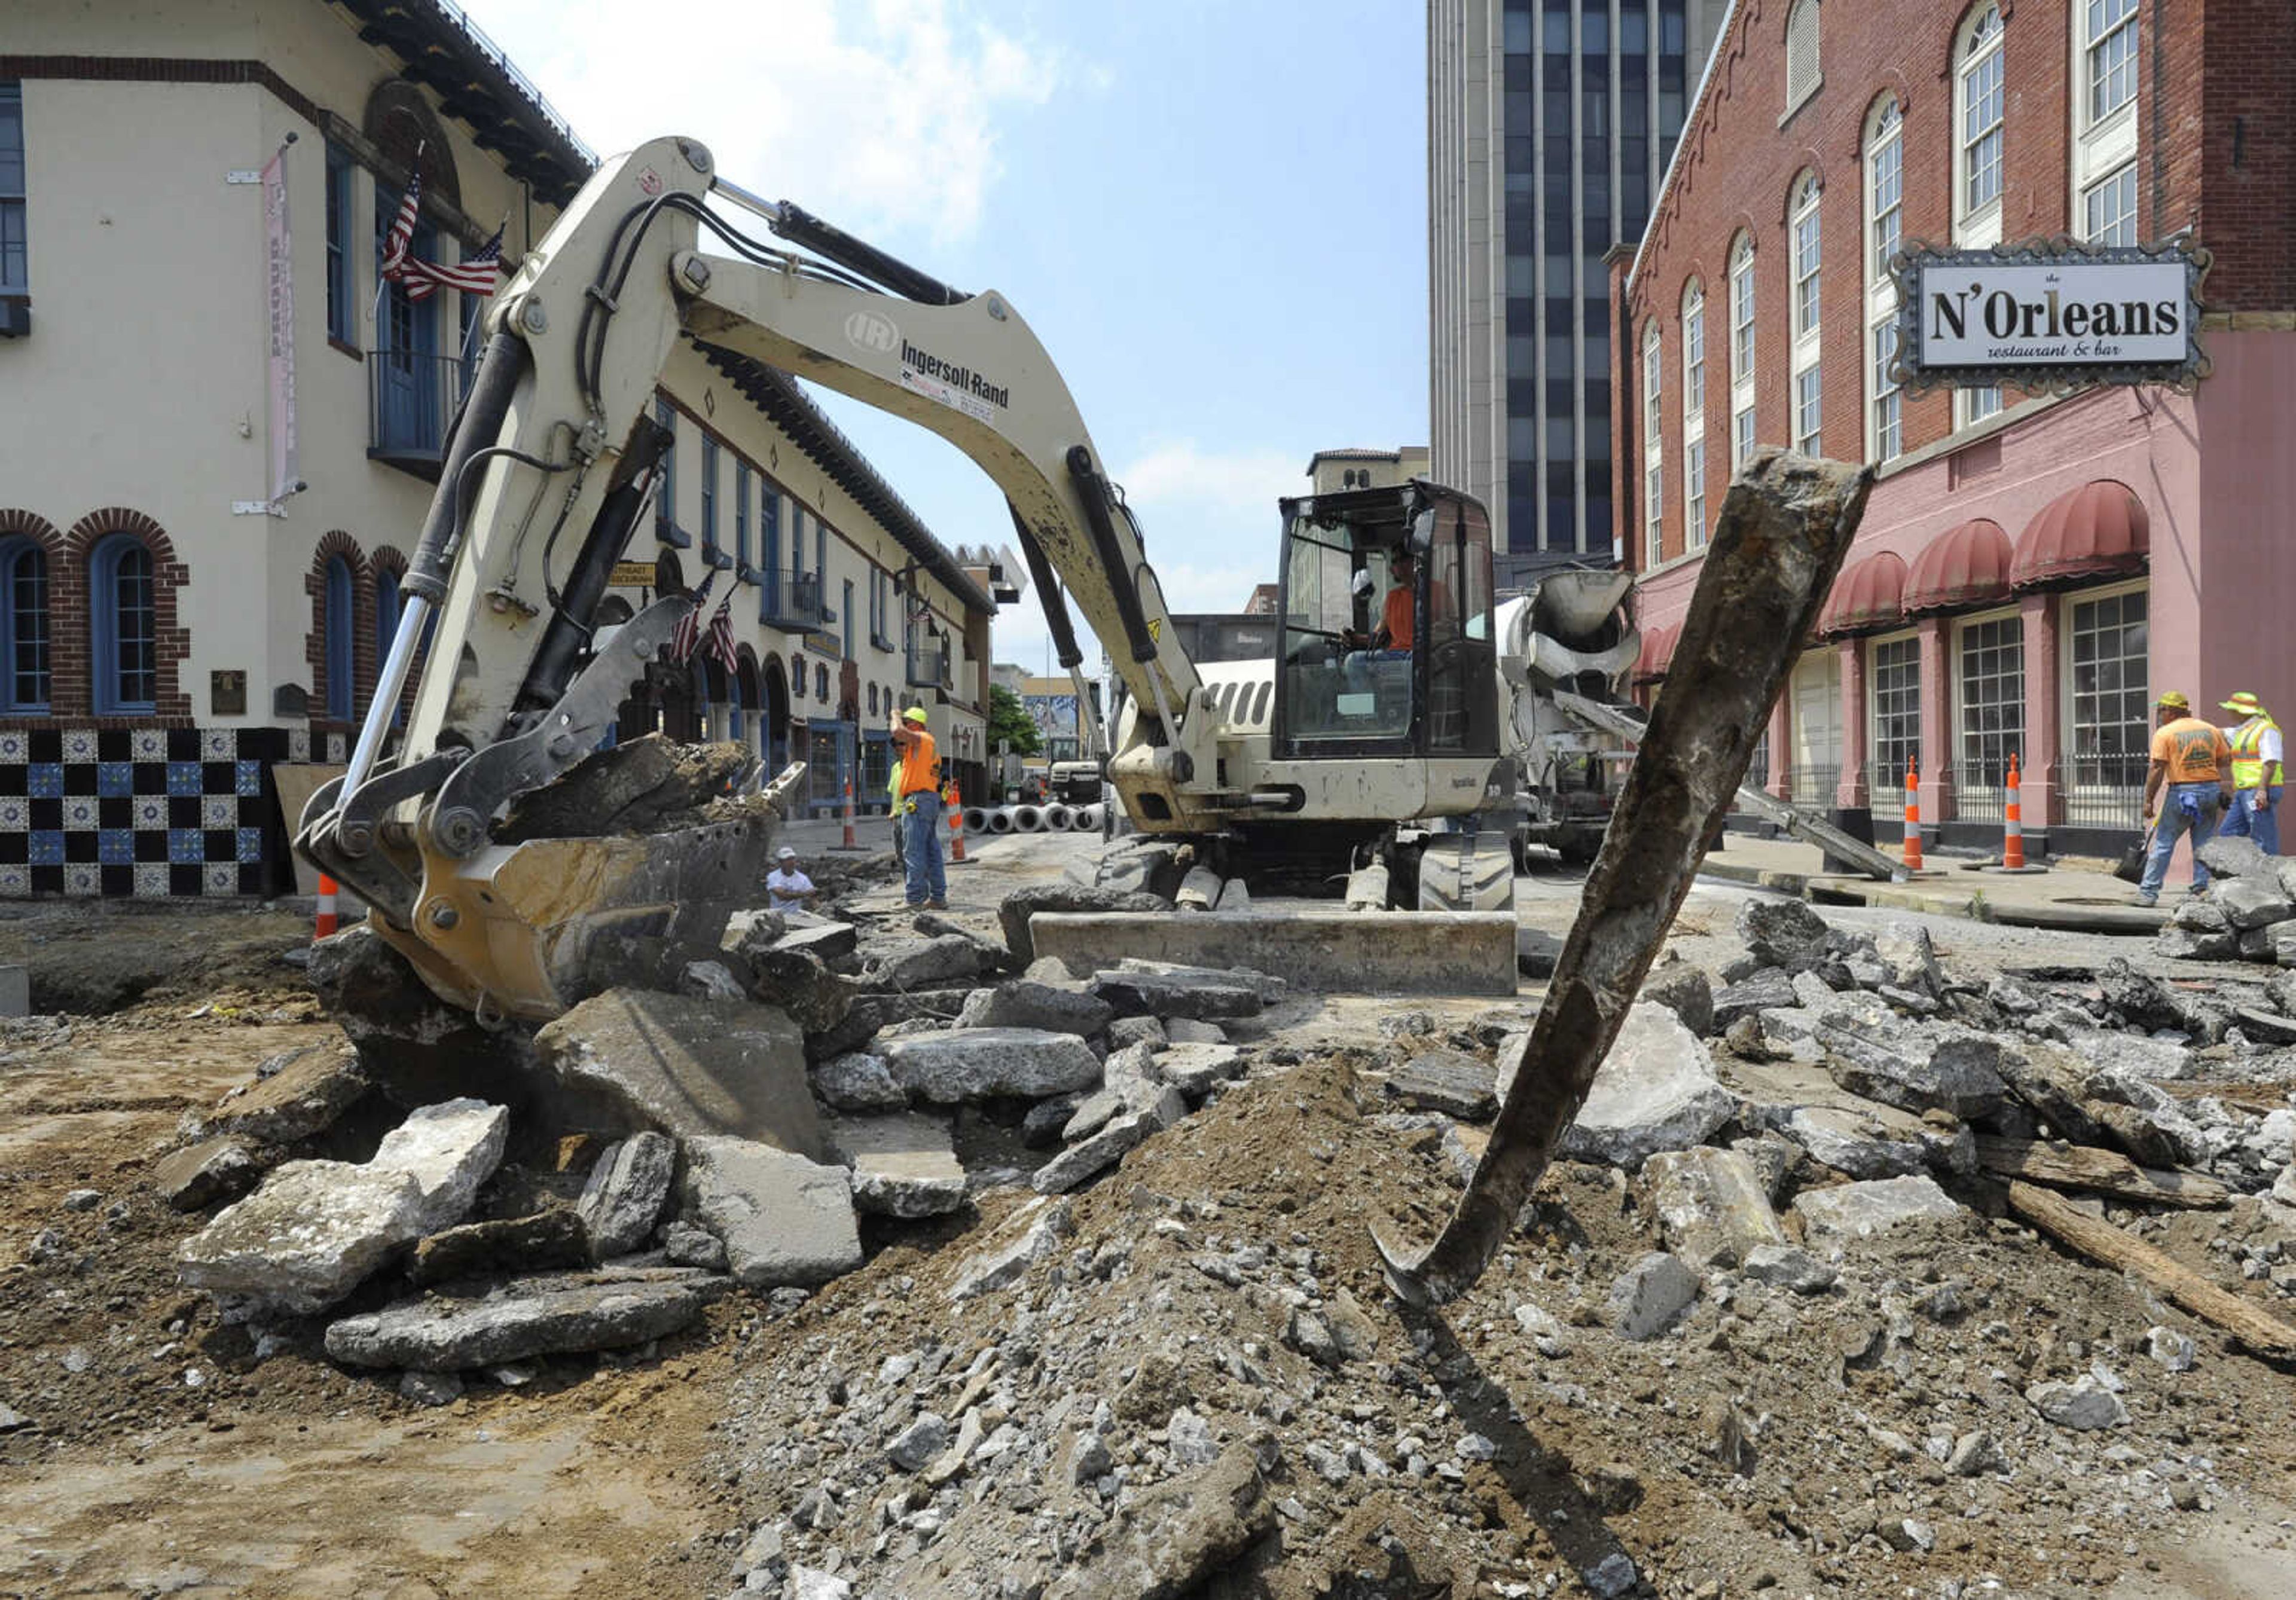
2174 701
914 714
2245 703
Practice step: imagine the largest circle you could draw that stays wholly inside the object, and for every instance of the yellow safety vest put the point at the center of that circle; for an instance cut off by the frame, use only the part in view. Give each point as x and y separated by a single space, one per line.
2247 763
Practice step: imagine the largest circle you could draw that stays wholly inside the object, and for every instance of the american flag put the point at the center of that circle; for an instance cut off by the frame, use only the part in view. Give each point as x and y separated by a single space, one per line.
395 243
474 273
687 633
721 632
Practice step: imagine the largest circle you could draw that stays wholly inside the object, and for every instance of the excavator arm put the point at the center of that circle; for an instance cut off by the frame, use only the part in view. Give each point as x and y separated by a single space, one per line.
547 474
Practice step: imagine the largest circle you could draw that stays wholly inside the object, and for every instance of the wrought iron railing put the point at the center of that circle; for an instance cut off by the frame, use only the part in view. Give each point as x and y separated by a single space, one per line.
2104 791
411 404
1812 786
928 667
791 601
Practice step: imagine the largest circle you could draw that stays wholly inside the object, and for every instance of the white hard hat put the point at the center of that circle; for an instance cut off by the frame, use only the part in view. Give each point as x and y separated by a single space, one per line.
785 854
1365 582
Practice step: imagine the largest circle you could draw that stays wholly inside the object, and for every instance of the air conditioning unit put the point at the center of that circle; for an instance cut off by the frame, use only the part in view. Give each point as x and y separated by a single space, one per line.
15 318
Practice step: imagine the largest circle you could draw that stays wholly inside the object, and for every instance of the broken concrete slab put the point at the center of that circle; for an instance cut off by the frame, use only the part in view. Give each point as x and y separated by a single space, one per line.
1192 1030
1423 953
2237 856
786 1220
448 1149
1713 1205
2253 902
1176 1537
1782 933
1861 1209
502 1247
1906 949
414 1045
301 1101
1655 1090
1859 1146
1917 1069
518 1320
1035 1232
1771 991
630 1060
932 963
1789 1268
2083 1405
627 1189
798 982
1022 1003
1164 995
858 1082
1651 1295
307 1237
195 1178
1685 991
1199 891
1014 913
956 1065
871 1015
1125 1032
1197 1069
1449 1081
1081 1162
902 1165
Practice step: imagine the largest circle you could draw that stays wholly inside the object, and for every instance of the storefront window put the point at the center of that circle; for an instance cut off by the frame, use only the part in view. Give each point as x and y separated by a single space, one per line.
1992 713
2109 645
1896 737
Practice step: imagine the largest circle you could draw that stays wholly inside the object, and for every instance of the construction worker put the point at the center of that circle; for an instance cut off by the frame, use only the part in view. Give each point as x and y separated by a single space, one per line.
2255 741
920 805
2194 760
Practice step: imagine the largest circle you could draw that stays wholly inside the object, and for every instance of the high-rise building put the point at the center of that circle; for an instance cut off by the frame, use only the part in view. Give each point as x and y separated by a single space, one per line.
1550 123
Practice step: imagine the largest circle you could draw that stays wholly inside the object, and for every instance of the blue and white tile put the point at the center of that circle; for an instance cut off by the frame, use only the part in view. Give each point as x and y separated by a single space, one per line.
219 811
299 745
80 814
247 779
115 778
15 814
116 847
83 878
44 780
47 847
217 744
152 882
15 881
220 877
79 745
250 844
14 747
149 813
186 847
339 748
182 778
148 744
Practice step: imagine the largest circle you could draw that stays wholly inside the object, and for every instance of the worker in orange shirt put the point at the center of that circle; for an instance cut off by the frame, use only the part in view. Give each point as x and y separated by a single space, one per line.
1396 618
2193 759
920 807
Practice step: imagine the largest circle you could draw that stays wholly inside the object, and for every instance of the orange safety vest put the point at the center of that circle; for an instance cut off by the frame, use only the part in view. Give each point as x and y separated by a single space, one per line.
920 764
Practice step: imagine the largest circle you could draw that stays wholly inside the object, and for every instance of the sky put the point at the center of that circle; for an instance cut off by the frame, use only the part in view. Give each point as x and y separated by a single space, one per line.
1212 212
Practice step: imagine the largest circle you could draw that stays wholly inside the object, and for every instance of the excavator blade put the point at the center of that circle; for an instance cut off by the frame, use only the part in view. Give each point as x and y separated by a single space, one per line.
1783 532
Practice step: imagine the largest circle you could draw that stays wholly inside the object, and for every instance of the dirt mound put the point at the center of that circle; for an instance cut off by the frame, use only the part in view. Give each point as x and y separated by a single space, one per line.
92 958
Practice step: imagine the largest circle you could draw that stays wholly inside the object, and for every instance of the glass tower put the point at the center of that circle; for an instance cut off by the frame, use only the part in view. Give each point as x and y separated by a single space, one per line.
1550 123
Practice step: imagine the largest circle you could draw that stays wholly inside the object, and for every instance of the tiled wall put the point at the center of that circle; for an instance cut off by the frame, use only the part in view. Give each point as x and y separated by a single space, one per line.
147 813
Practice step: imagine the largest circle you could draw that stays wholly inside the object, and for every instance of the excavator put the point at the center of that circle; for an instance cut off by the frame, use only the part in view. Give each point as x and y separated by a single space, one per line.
547 475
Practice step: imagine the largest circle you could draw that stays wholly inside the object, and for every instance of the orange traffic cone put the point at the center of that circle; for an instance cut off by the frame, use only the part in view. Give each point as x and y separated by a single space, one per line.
850 843
1913 851
2012 837
955 823
326 926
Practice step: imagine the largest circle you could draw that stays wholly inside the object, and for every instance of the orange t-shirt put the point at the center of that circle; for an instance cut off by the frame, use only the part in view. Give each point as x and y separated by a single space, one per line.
919 764
1397 618
2191 750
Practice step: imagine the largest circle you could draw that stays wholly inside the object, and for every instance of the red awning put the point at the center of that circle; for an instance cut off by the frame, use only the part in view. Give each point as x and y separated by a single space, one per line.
1657 651
2097 531
1963 567
1869 598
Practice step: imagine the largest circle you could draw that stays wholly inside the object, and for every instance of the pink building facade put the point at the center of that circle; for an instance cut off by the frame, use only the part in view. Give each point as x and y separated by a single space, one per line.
2032 569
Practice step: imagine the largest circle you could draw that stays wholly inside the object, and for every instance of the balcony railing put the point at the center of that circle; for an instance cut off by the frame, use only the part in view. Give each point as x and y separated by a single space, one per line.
2104 791
412 400
790 601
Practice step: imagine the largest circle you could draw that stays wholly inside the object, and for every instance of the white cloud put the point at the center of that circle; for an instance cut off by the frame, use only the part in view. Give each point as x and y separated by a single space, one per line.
1209 519
882 117
1183 477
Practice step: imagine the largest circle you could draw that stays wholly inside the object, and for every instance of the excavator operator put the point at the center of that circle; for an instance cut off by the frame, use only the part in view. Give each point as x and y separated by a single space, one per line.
1395 627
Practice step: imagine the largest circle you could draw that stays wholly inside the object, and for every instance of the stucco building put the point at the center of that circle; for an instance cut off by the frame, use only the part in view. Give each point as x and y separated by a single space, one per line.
2032 568
185 607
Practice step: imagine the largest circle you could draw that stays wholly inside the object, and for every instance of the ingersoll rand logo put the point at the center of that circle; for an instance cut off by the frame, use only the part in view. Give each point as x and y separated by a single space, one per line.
870 331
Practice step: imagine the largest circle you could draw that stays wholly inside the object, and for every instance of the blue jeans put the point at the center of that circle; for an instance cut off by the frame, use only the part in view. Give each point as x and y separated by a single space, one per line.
2173 825
2262 826
921 844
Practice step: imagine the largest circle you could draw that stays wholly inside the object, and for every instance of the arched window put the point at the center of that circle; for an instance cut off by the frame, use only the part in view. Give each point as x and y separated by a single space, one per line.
386 624
1884 216
1808 388
335 636
1978 99
24 681
124 624
1653 450
1802 77
1741 349
1693 415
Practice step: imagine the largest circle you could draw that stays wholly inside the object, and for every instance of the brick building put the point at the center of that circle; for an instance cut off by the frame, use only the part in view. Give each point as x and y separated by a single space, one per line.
2032 567
178 627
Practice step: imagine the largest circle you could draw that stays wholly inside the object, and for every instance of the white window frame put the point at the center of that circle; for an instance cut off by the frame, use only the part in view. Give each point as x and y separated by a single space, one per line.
1654 448
1881 783
1742 348
1884 170
1693 415
1972 405
1805 68
1693 493
2068 726
1958 695
1980 55
1806 310
2097 25
2121 180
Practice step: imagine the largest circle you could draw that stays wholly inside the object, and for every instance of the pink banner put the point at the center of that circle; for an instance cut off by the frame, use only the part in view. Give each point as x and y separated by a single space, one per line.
279 264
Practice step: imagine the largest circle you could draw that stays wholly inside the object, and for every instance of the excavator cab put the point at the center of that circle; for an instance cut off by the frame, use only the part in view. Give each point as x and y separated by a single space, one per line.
1386 646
